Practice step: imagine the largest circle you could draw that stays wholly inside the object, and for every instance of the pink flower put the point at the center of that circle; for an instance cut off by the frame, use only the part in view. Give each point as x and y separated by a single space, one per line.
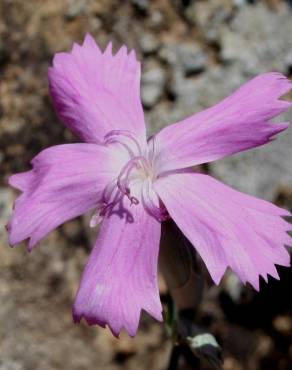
133 184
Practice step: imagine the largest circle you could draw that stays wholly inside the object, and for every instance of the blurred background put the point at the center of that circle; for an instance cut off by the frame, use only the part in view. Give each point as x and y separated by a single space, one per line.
193 54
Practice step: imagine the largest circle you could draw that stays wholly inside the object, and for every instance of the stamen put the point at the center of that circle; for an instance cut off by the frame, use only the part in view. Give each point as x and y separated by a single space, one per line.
134 201
116 136
116 189
113 140
96 218
108 191
158 212
123 178
106 202
119 187
151 152
110 205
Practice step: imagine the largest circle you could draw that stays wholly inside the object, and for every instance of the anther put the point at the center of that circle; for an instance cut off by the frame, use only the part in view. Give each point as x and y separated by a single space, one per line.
134 200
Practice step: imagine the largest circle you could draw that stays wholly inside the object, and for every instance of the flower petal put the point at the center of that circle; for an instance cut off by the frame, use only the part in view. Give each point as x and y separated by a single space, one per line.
95 92
239 122
227 228
66 181
120 277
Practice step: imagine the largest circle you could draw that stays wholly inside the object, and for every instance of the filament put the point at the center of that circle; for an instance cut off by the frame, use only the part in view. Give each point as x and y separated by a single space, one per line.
120 186
117 135
123 178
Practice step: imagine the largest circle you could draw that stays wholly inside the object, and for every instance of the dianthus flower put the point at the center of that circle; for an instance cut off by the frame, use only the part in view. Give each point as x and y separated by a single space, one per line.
133 184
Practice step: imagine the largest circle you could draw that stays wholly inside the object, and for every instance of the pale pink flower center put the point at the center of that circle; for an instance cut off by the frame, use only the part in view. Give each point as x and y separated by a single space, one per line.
139 169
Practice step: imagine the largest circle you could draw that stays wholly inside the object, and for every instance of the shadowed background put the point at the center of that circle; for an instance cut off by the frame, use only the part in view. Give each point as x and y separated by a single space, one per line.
193 54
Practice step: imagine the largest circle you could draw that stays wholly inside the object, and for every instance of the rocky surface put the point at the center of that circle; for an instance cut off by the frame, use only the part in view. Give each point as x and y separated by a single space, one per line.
193 53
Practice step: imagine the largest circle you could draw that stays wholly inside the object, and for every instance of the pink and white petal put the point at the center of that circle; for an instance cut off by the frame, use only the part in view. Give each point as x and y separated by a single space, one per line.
226 227
239 122
95 92
120 278
65 182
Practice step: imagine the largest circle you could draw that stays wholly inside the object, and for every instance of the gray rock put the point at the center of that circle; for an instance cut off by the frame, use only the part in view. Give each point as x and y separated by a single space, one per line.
142 5
156 19
168 54
162 115
75 9
184 91
209 16
6 202
258 39
288 63
8 364
153 83
188 57
185 60
149 43
193 59
239 3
